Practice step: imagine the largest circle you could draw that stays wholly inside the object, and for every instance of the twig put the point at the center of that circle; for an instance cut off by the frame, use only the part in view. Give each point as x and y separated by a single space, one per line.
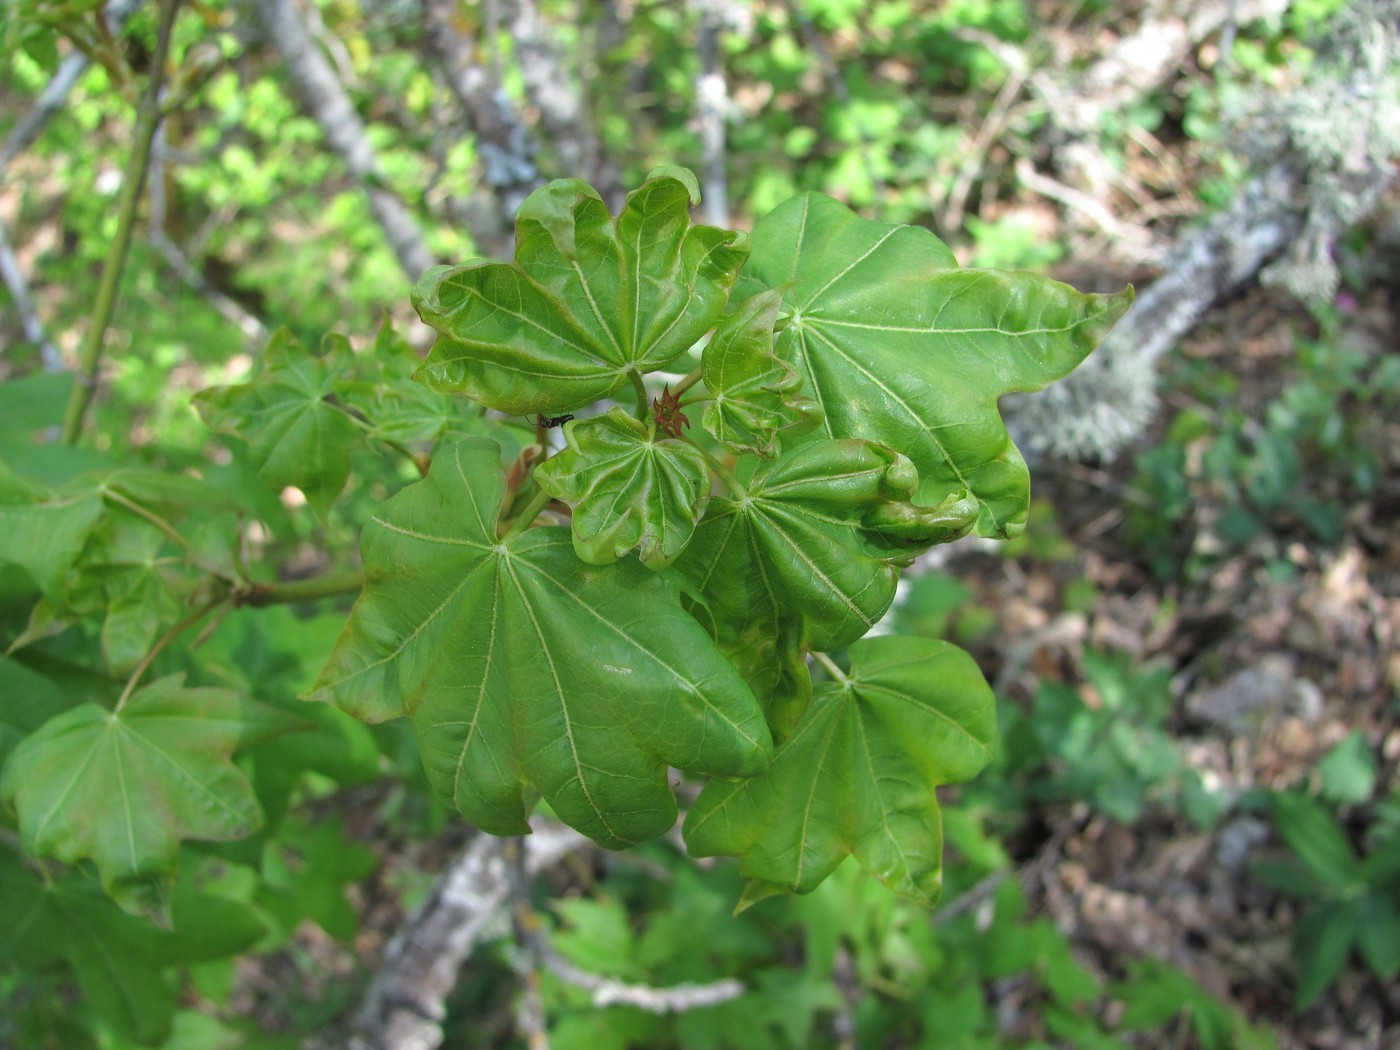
1140 241
55 92
34 329
606 991
253 329
147 118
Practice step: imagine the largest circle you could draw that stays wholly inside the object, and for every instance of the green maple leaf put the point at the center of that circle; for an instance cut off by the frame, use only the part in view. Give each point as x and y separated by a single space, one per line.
295 435
525 670
858 775
630 488
756 394
589 301
899 345
122 788
45 529
808 556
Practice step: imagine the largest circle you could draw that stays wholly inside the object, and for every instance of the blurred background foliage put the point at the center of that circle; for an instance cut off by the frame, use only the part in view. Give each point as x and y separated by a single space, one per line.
1192 834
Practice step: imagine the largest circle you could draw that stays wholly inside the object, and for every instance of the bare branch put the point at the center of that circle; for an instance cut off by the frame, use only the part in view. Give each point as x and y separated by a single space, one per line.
252 328
606 991
19 292
324 96
711 101
403 1008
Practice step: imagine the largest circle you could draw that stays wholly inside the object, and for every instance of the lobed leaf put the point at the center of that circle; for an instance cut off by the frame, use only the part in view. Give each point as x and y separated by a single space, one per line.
858 775
900 346
630 489
525 670
45 528
756 394
807 557
123 788
295 435
588 300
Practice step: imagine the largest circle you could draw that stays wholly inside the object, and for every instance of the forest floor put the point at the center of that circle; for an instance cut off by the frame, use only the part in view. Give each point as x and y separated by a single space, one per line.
1278 652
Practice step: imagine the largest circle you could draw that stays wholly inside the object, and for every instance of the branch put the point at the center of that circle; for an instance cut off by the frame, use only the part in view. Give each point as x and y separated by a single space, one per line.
253 329
29 317
711 101
133 179
606 991
544 72
503 142
55 93
403 1008
325 98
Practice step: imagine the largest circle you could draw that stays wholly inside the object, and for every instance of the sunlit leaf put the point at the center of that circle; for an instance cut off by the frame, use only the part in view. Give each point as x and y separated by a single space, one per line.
122 788
526 670
631 488
588 300
295 435
858 775
809 555
899 345
756 394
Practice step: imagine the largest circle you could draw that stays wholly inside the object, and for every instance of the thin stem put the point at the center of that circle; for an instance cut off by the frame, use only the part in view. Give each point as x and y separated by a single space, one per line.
150 516
643 398
532 510
170 635
133 180
367 425
686 383
733 484
331 585
829 665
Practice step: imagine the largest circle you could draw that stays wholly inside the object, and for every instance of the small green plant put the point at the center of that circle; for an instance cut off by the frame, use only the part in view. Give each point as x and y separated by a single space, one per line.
1352 900
1224 478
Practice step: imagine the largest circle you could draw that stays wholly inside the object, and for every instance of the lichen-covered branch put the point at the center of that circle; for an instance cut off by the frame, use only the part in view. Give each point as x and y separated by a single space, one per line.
328 103
403 1008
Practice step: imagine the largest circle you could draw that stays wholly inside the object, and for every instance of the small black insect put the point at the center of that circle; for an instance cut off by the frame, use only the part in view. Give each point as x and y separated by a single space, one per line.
550 422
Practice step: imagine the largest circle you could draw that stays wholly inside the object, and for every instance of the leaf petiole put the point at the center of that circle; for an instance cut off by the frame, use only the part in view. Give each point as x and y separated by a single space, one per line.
170 635
725 475
829 666
643 398
526 518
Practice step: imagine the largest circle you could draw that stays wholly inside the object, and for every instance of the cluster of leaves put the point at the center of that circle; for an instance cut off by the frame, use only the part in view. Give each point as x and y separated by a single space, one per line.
547 662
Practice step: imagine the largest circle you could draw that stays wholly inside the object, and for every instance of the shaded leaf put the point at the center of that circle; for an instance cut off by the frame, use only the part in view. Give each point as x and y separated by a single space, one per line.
526 670
116 958
757 395
122 788
1322 945
630 488
295 435
44 528
858 774
1316 837
588 300
899 345
409 412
